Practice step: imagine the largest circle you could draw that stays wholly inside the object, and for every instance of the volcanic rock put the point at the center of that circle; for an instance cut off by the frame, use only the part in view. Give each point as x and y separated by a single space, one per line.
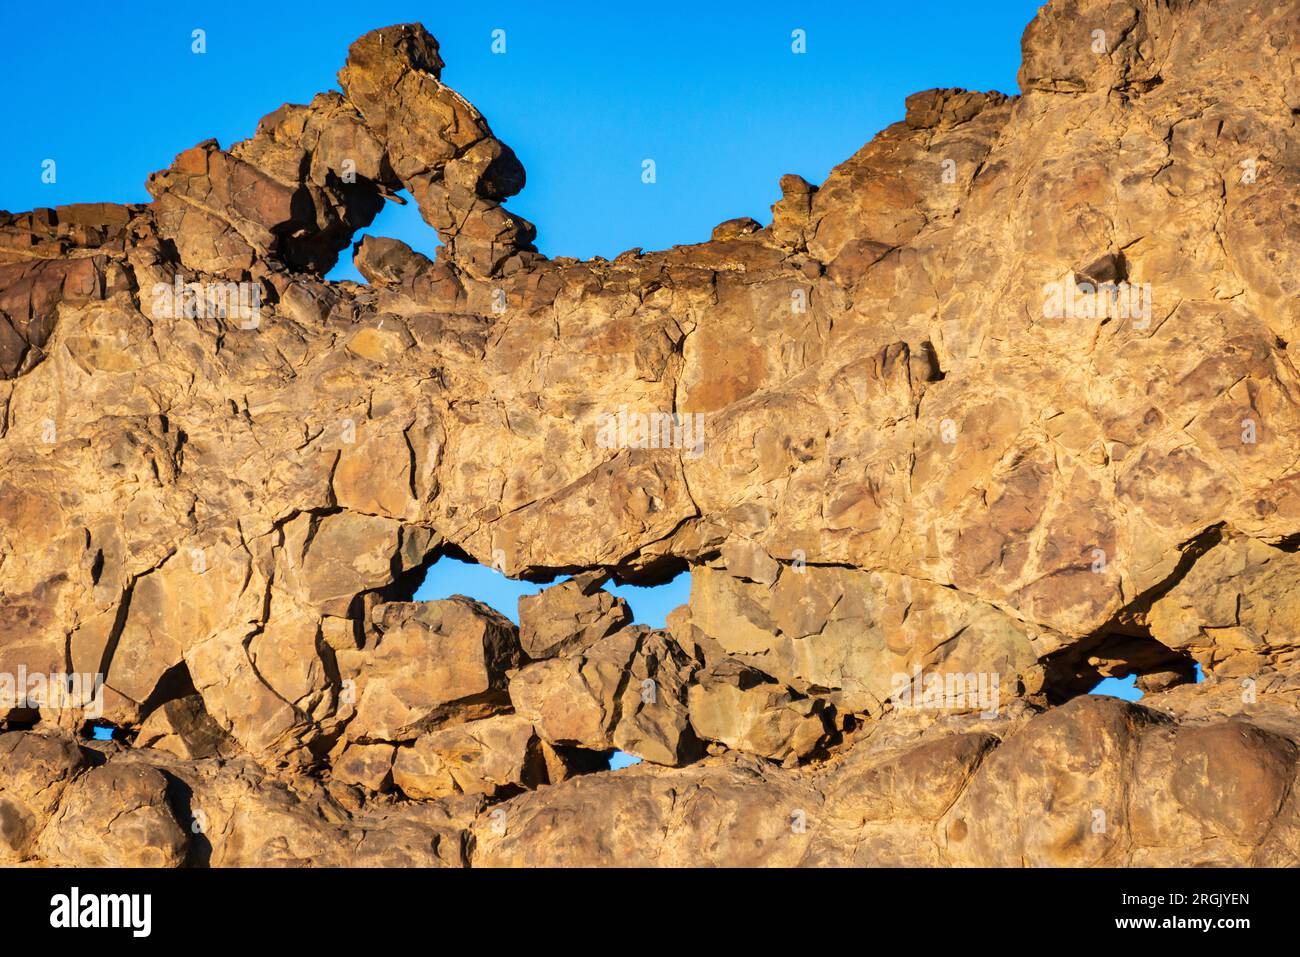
1005 405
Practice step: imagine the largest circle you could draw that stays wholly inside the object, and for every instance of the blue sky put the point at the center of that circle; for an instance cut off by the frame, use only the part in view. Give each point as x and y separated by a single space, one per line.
1125 688
451 577
711 92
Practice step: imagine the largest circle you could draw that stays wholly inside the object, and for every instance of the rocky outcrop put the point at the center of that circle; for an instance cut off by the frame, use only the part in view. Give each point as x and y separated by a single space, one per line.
571 616
1005 405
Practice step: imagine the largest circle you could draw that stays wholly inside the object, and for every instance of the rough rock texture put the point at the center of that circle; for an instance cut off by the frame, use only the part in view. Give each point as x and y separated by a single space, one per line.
1005 405
569 617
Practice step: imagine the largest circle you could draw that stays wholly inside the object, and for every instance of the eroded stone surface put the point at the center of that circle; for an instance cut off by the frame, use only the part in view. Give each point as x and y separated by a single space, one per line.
930 488
569 617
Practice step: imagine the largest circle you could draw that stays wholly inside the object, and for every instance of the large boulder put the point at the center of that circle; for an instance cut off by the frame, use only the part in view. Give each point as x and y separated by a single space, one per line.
426 664
570 617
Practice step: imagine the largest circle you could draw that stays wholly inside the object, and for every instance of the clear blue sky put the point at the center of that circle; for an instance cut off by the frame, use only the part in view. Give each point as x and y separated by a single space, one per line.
450 577
1125 688
711 92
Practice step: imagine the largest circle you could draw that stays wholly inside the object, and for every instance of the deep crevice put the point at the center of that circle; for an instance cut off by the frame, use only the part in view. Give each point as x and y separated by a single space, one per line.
174 683
1124 646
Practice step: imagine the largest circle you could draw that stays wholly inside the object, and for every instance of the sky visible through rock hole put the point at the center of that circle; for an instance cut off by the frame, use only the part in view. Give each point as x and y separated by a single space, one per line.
719 97
448 576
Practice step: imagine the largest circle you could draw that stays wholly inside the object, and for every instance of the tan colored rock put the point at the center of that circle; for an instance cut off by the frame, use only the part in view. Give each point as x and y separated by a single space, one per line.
478 757
740 708
627 691
389 261
331 559
1009 395
899 796
194 595
1209 793
439 146
566 710
240 701
428 663
1055 793
563 763
183 727
35 769
857 637
919 782
790 214
570 617
116 815
367 765
637 818
240 815
1236 611
295 191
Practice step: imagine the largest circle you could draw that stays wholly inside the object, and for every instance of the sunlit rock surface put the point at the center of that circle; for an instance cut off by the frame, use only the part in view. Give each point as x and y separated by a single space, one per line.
1006 405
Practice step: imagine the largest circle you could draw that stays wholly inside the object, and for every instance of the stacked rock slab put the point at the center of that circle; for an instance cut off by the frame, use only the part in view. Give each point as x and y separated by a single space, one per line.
1005 405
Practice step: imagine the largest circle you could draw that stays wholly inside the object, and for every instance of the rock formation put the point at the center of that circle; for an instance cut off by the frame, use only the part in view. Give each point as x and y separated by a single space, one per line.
1006 405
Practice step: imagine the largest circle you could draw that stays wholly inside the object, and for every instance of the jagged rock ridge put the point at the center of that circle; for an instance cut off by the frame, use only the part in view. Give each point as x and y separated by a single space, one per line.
1010 397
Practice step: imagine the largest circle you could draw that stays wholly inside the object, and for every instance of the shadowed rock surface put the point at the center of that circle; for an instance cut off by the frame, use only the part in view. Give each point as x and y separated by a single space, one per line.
1006 405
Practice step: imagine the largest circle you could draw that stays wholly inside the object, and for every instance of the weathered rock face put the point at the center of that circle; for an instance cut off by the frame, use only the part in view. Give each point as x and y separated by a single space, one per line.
569 617
427 663
1005 405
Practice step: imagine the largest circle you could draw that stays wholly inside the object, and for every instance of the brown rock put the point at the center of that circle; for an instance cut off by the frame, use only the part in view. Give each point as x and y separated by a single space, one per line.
568 618
427 663
1053 795
1004 404
626 691
116 815
478 757
35 769
738 707
183 727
